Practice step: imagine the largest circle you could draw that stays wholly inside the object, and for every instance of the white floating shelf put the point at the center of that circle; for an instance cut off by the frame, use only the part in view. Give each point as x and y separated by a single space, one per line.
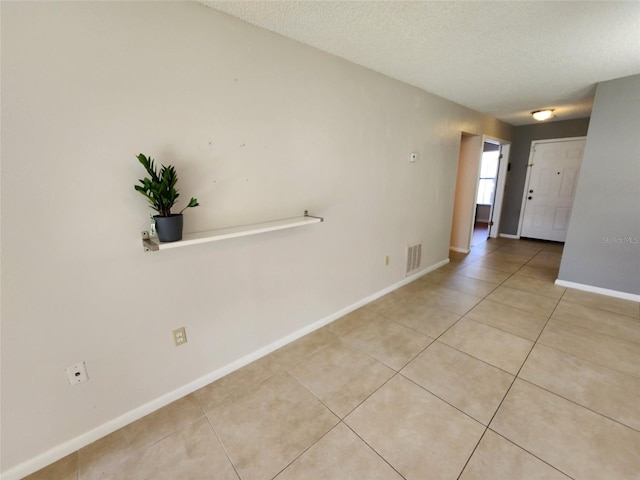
153 244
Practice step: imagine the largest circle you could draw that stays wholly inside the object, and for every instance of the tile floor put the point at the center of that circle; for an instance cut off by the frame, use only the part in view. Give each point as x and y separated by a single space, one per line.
483 369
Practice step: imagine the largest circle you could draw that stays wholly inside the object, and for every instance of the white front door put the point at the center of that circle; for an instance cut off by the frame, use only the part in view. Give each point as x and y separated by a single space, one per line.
548 197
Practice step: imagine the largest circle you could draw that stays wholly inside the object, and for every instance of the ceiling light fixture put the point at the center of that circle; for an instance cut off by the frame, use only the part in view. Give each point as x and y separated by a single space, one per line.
542 115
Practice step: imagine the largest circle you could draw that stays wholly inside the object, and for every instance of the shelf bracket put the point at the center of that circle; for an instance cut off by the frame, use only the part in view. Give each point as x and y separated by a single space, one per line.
306 214
147 244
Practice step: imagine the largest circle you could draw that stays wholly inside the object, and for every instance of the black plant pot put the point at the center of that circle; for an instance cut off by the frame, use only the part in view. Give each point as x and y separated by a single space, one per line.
169 228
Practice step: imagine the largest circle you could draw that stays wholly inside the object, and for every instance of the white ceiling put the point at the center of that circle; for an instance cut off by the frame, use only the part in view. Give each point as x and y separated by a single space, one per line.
501 58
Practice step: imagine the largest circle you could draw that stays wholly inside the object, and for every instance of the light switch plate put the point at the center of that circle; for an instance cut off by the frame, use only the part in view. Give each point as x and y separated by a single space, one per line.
77 373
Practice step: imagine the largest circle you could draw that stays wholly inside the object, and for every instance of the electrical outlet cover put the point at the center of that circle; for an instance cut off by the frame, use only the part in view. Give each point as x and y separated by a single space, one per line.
179 336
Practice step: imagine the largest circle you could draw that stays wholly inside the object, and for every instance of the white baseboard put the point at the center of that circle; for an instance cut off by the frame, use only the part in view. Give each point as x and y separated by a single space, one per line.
508 235
70 446
601 291
459 250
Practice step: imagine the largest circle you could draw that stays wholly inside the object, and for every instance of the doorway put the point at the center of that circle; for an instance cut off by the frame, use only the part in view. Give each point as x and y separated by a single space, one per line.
465 194
551 182
485 196
479 191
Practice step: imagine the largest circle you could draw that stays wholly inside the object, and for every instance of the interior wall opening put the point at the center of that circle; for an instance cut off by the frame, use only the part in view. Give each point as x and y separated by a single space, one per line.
486 193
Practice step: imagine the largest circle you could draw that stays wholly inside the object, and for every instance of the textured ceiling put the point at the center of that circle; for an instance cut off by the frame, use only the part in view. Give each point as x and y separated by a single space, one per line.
504 58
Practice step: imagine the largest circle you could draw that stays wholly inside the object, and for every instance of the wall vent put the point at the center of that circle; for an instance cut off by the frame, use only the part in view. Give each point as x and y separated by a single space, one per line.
414 256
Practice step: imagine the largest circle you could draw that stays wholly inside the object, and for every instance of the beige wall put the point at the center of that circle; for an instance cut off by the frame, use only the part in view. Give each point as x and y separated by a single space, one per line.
259 128
465 192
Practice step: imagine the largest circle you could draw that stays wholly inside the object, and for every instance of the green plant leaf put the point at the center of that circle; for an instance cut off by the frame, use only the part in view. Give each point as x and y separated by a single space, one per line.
192 203
160 187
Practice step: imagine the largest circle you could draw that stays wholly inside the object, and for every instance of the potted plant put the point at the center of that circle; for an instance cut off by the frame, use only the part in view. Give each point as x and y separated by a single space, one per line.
160 190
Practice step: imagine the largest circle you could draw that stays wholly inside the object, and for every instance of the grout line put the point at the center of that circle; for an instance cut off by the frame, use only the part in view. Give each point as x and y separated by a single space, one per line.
443 400
601 309
224 448
535 342
464 467
578 404
306 449
341 419
512 383
476 358
373 449
532 454
591 362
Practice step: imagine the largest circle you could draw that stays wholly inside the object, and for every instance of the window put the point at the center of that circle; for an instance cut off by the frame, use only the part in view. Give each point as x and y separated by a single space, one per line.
488 174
